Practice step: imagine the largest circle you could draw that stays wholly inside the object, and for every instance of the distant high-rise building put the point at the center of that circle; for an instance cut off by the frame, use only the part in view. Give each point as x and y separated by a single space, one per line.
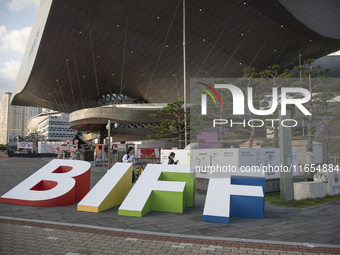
4 109
14 118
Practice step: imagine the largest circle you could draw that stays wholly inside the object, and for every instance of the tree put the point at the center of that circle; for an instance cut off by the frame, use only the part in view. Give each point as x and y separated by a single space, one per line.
34 137
260 100
332 114
171 127
3 147
322 91
252 80
277 80
326 111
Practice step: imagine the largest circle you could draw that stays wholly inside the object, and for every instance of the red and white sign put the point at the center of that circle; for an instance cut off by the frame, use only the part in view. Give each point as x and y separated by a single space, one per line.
58 183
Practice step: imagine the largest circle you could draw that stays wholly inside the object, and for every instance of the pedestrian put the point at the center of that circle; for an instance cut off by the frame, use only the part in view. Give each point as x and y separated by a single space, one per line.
130 158
172 159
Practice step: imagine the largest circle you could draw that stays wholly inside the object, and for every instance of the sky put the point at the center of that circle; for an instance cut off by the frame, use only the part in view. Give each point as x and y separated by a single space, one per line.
16 20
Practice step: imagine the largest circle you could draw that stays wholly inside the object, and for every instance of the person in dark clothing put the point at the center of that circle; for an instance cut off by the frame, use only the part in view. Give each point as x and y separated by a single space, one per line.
172 159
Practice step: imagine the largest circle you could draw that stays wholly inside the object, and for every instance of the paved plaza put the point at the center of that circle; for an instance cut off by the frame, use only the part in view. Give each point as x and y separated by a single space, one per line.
64 230
27 237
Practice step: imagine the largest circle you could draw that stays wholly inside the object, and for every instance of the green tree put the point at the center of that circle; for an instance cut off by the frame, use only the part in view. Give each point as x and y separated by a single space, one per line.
331 113
203 122
171 127
326 110
34 137
276 79
323 91
260 88
3 147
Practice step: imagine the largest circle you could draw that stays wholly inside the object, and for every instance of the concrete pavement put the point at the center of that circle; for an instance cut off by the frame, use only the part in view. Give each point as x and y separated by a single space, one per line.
36 237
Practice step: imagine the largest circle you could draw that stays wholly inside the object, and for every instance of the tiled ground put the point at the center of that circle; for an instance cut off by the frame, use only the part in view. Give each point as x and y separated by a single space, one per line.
24 237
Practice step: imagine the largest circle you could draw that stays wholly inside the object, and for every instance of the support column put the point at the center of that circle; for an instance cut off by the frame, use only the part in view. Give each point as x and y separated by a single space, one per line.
286 178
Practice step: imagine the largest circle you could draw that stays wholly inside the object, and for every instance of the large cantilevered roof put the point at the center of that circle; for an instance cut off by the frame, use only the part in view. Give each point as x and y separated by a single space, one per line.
80 50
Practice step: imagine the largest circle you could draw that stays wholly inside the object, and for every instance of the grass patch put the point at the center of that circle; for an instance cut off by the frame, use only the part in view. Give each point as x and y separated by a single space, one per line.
273 198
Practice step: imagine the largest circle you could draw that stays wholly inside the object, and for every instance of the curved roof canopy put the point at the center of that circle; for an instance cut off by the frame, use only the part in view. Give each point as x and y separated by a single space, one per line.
81 50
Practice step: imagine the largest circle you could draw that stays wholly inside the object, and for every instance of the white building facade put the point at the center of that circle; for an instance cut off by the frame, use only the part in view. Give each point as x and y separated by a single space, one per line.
56 127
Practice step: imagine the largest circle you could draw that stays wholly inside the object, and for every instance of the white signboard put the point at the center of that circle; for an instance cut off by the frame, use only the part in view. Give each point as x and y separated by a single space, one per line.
46 147
333 185
183 156
25 145
207 163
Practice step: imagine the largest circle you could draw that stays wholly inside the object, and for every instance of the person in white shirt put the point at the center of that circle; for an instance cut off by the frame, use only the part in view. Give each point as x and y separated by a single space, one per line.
129 157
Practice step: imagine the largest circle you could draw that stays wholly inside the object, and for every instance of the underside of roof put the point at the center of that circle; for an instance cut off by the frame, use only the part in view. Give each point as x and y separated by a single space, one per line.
86 49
